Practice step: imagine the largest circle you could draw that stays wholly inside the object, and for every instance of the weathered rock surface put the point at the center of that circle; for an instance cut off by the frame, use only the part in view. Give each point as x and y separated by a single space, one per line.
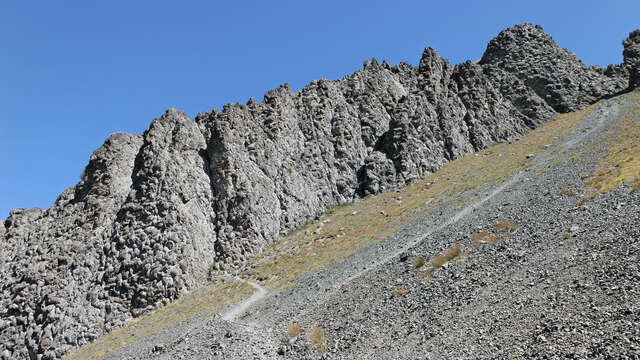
554 73
278 164
631 54
153 212
52 259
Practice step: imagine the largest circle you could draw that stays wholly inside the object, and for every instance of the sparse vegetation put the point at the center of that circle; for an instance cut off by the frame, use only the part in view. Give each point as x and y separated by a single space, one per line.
621 163
293 330
566 236
503 227
483 237
567 192
450 253
400 292
506 225
453 252
317 339
418 262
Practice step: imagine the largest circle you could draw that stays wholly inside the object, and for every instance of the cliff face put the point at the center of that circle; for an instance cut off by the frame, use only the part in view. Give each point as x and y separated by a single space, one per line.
153 212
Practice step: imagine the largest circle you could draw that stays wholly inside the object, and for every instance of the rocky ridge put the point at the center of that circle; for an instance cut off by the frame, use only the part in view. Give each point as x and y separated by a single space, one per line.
153 211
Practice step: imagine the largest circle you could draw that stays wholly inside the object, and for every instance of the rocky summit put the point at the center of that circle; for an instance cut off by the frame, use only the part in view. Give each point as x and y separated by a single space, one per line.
155 215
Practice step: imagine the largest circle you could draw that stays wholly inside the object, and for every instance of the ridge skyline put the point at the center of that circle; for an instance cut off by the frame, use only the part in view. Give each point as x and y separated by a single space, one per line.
43 154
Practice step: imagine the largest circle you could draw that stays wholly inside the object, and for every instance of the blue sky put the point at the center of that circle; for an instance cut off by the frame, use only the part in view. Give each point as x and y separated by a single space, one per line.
72 72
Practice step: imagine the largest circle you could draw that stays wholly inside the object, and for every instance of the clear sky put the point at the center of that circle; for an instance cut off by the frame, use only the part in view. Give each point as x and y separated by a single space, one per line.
72 72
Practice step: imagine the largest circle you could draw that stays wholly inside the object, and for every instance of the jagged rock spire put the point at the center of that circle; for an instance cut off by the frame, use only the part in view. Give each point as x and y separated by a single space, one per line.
631 54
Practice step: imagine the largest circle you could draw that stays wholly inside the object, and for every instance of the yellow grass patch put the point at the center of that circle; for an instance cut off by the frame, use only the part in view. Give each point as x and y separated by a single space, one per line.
400 292
621 163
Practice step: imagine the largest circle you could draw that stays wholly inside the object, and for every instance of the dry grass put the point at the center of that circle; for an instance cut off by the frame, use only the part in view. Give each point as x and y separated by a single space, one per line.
621 163
293 330
400 292
418 262
449 254
503 227
483 237
567 192
317 339
506 225
201 303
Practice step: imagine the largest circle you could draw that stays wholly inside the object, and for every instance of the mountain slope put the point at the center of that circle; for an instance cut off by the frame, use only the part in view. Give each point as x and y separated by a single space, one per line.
544 270
153 212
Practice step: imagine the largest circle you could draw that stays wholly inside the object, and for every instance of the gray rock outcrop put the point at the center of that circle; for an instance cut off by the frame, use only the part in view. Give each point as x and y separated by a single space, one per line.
554 73
153 212
631 54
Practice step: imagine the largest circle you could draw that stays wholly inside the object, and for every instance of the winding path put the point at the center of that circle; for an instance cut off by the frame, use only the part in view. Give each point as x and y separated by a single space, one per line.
236 310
